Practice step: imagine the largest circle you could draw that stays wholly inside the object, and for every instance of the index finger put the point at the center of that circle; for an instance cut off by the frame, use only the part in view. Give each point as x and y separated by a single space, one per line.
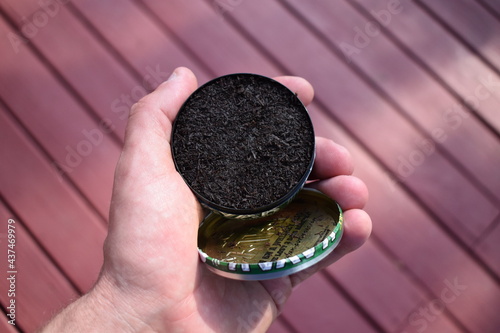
331 160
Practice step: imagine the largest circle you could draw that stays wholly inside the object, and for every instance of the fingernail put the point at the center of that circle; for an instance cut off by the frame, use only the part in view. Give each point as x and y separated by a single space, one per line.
173 75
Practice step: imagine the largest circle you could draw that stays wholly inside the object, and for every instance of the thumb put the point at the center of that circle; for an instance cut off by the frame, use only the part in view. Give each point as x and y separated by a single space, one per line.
147 137
147 190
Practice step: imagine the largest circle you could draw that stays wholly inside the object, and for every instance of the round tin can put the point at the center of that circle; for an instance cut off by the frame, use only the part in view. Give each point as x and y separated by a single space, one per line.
244 144
293 239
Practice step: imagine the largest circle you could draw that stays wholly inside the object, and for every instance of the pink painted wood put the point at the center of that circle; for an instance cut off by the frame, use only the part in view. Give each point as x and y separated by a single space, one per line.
395 100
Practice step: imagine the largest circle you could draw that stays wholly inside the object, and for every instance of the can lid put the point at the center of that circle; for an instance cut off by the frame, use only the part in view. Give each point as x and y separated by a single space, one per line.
295 238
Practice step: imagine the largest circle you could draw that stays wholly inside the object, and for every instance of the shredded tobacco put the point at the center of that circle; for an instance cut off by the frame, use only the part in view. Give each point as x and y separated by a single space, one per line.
242 141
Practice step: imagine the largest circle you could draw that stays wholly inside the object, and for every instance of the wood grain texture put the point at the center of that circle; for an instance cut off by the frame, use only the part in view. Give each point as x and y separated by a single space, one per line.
402 296
487 248
413 91
492 6
372 119
460 69
54 213
325 305
6 327
41 290
217 41
148 48
78 144
416 104
469 21
420 245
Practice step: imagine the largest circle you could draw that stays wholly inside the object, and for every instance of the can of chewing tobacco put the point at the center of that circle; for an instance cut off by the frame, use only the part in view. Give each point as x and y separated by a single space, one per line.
295 238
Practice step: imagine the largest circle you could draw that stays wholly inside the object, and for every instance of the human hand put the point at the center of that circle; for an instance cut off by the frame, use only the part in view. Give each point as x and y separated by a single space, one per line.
152 278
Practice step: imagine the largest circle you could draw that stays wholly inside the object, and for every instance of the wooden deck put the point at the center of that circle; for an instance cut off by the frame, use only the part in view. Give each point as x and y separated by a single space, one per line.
415 98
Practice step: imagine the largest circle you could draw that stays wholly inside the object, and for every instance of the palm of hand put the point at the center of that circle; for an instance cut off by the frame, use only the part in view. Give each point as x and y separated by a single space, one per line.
150 252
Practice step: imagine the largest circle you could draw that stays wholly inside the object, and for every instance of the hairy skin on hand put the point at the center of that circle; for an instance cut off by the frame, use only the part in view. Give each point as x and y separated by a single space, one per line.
152 279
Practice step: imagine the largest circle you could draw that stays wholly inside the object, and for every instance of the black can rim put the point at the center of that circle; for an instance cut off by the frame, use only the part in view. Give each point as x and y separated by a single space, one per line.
264 210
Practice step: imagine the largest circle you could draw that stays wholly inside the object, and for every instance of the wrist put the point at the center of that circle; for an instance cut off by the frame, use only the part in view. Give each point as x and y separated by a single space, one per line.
102 309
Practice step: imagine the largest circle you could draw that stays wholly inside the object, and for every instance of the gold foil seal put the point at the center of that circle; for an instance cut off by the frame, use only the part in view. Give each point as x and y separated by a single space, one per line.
303 224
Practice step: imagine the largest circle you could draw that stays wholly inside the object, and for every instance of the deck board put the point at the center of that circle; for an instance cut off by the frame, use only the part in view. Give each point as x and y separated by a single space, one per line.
334 316
71 53
6 327
186 7
434 323
436 220
424 101
471 22
413 237
460 69
388 295
159 53
52 210
487 248
218 41
279 327
60 124
348 98
41 290
492 6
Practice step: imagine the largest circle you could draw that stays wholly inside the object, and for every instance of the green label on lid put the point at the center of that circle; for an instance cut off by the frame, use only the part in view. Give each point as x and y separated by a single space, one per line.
291 240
